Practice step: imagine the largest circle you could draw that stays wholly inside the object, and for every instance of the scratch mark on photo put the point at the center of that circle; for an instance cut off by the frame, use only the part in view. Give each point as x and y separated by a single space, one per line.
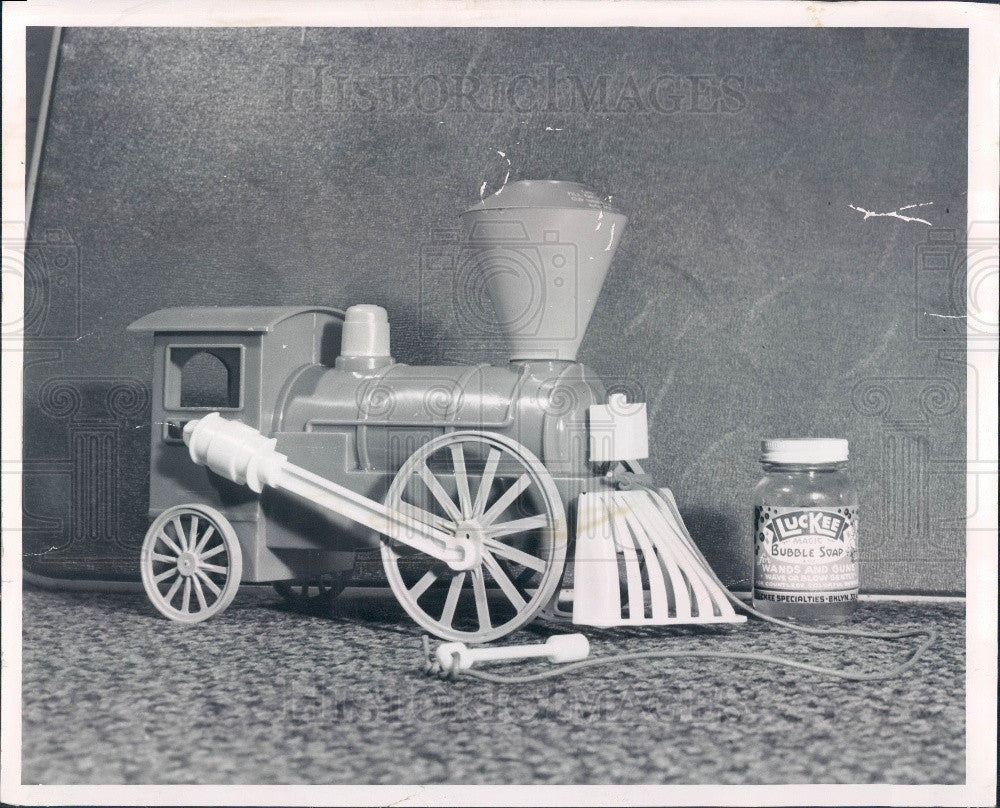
895 214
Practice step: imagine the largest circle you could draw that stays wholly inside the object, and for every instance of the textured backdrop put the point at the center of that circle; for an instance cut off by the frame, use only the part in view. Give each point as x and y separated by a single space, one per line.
748 299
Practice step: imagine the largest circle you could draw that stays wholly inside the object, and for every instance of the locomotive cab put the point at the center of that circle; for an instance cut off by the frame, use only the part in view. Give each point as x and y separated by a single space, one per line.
235 361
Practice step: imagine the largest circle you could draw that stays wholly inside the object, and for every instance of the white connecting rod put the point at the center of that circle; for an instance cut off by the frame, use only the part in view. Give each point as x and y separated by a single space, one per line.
557 649
242 454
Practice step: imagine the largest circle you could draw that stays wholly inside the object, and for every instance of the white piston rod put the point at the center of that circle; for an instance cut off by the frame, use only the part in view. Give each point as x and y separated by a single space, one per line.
242 454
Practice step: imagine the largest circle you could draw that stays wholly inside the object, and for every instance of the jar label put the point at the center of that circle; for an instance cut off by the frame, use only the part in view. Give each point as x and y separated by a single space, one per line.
805 555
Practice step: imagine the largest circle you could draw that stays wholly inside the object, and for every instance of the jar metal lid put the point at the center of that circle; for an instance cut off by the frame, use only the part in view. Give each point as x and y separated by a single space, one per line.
803 450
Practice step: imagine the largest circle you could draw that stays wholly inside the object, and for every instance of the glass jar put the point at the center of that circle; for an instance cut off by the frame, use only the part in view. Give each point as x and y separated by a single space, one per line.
805 532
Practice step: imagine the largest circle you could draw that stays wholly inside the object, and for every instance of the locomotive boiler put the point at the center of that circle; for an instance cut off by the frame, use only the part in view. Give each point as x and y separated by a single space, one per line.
310 442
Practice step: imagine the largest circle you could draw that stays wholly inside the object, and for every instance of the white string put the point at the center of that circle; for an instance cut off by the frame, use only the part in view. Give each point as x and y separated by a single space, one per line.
432 667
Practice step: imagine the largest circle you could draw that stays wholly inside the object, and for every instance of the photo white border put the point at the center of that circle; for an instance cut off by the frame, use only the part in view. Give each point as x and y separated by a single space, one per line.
983 22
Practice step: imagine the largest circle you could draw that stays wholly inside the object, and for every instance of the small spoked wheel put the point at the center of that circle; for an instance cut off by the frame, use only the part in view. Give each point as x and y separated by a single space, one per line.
313 596
191 563
490 490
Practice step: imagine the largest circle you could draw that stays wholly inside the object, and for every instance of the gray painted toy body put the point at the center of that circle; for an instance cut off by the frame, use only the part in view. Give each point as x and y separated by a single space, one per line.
338 405
353 427
290 438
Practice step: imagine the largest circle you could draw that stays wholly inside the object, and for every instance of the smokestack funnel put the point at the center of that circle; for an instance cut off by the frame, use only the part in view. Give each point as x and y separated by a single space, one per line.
541 250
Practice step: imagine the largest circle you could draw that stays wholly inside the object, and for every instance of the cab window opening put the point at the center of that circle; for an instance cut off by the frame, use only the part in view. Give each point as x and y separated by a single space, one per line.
204 377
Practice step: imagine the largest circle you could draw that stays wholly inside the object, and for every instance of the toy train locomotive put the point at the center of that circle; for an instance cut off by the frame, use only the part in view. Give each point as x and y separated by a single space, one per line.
311 442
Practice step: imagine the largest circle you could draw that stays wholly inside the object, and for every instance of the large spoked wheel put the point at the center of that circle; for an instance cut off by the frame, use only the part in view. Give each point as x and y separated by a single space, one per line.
492 491
191 563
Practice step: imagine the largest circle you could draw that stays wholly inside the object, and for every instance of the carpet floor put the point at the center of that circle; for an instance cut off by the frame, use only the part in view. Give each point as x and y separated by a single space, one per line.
262 694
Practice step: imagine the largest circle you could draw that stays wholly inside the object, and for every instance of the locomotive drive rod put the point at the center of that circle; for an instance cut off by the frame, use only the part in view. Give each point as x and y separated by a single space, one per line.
242 454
